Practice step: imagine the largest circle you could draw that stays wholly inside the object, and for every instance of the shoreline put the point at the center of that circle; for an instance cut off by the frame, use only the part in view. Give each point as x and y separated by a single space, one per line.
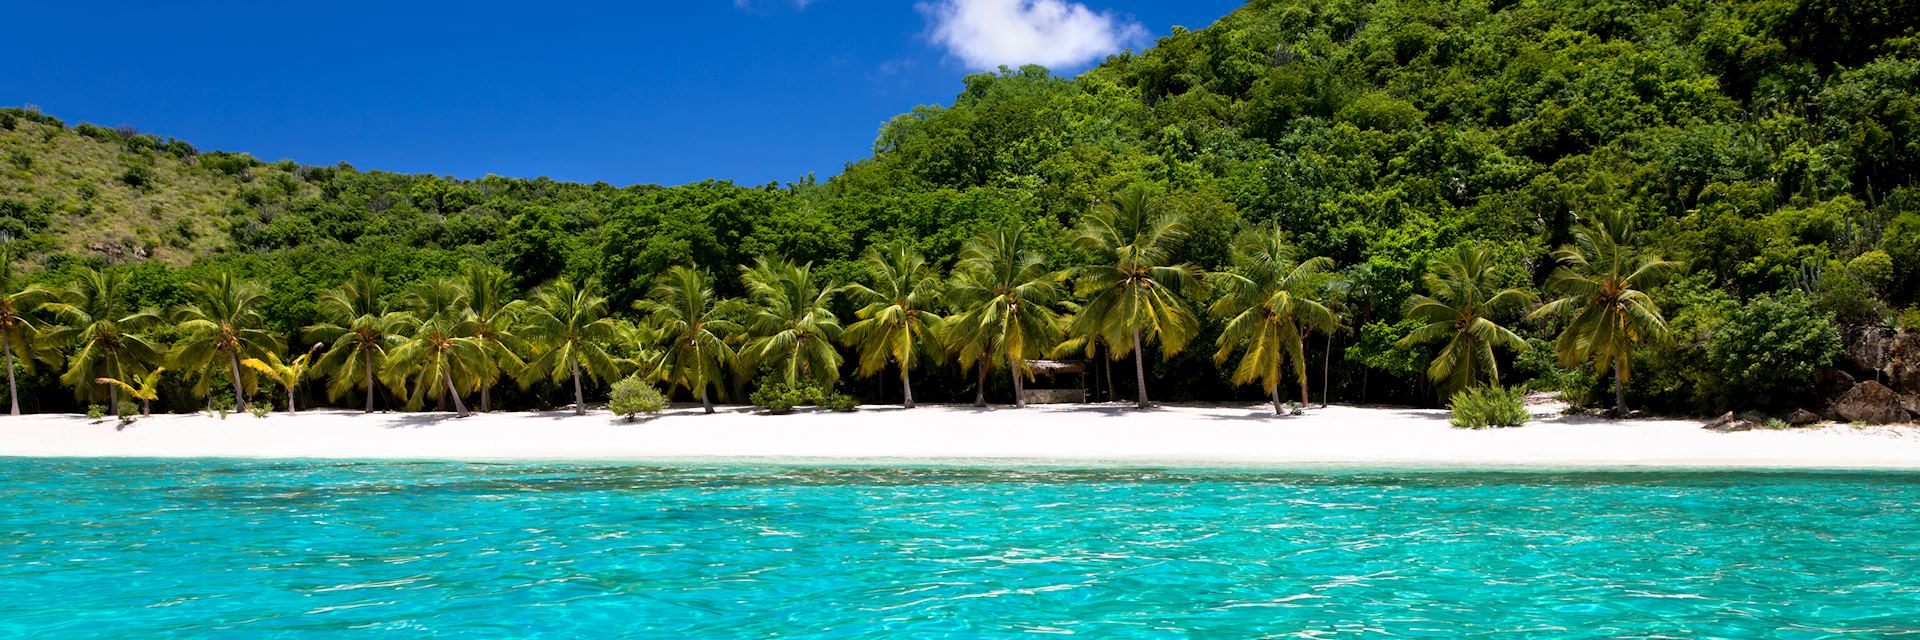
1223 436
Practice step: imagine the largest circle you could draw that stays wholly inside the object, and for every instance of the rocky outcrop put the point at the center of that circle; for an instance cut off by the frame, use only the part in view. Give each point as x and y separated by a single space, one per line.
1801 418
1831 384
1911 402
1870 402
1867 348
1729 422
1903 362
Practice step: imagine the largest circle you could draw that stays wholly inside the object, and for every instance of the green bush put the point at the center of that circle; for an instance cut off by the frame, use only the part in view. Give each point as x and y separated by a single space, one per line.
633 396
781 397
1493 406
1541 368
1765 352
96 411
839 402
260 408
220 403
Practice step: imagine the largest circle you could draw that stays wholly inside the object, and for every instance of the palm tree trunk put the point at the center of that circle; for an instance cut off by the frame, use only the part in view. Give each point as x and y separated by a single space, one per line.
579 396
239 396
1019 389
458 406
1106 366
1139 369
1326 367
368 359
906 388
13 389
980 390
1619 393
704 402
486 398
291 410
146 408
1276 399
1303 373
113 392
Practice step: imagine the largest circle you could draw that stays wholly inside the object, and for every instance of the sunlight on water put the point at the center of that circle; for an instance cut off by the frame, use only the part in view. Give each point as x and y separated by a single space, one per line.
240 549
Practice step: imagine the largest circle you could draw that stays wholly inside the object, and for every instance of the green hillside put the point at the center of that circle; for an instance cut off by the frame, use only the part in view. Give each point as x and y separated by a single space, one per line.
1768 146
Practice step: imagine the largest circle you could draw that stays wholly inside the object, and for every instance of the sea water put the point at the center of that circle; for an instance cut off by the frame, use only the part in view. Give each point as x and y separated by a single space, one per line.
265 549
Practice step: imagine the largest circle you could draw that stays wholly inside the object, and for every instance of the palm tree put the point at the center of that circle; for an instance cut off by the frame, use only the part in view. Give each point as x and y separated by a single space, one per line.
568 325
359 331
683 306
223 321
1269 303
1464 287
488 294
441 351
791 325
896 324
146 393
288 374
1135 297
92 313
1002 290
1602 283
19 329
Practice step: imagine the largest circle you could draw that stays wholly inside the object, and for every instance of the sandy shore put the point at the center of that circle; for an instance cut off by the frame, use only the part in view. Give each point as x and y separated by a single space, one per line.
1222 435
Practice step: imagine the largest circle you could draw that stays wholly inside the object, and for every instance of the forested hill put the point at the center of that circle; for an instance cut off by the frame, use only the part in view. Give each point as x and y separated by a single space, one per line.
1767 145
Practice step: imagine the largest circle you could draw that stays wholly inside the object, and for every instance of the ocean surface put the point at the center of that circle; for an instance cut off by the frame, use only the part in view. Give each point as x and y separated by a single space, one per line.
94 548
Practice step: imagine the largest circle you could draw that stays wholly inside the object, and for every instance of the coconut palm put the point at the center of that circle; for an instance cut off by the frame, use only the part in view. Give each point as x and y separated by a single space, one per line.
222 324
438 361
696 323
896 324
92 313
567 325
146 392
359 330
1003 292
1134 297
1602 283
288 374
1269 303
20 330
1463 289
488 294
790 325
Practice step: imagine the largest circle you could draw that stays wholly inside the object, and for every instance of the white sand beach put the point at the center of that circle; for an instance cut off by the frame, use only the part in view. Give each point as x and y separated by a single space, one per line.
1055 434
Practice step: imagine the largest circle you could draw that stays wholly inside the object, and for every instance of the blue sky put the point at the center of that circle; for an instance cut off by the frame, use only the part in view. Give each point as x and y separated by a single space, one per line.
623 92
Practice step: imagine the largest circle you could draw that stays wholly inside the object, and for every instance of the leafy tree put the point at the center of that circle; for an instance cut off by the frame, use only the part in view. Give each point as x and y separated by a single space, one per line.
494 313
897 324
1002 293
1136 297
20 329
791 323
1602 283
147 391
1765 354
222 322
1269 302
633 395
568 326
696 324
360 332
112 339
1465 290
288 374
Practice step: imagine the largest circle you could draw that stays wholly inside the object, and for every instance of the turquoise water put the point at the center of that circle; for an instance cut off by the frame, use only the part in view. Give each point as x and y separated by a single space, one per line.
262 549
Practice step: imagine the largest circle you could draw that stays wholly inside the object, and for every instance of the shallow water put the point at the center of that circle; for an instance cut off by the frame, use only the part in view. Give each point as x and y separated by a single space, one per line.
246 549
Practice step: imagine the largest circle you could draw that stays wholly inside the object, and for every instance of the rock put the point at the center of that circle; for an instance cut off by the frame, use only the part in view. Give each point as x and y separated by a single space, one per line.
1903 362
1831 384
1911 402
1801 418
1868 348
1728 423
1872 403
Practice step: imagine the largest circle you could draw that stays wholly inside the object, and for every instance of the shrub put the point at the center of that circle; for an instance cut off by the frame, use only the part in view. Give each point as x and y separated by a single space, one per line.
839 402
1765 353
1909 319
1492 406
260 408
96 411
781 397
635 396
220 403
1541 367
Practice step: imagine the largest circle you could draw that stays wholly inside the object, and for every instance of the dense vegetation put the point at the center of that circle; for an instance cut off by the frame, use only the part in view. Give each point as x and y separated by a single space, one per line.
1756 156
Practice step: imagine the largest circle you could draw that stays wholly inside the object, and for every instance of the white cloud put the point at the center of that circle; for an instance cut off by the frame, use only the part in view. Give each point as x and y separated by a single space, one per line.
988 33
